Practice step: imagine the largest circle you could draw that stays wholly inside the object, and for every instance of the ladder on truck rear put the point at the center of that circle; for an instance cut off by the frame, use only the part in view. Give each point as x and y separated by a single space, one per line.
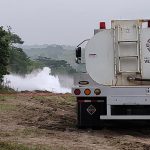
127 47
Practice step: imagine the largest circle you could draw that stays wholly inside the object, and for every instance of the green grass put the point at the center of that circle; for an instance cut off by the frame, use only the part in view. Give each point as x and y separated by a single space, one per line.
62 99
31 131
15 146
7 107
69 99
7 97
6 90
4 134
23 133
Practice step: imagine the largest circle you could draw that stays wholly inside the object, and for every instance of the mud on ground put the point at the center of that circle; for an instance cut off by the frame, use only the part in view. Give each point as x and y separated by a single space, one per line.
47 121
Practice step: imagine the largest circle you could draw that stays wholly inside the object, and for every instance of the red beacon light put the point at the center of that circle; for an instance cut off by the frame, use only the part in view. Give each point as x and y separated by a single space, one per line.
102 25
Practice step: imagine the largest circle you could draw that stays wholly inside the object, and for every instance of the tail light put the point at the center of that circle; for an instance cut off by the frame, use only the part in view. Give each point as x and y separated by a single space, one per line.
77 92
97 91
87 91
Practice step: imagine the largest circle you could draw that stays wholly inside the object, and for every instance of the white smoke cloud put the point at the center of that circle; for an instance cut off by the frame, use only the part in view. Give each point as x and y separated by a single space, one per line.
41 80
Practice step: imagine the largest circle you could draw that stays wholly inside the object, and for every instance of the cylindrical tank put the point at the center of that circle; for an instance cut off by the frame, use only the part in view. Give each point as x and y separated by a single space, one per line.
99 56
110 61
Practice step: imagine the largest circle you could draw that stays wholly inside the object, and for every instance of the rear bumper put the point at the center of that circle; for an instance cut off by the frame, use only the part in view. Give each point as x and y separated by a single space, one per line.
121 103
128 117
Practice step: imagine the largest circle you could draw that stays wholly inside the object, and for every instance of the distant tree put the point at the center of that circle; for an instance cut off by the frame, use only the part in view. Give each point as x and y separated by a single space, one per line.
14 38
19 62
4 52
17 59
57 66
12 57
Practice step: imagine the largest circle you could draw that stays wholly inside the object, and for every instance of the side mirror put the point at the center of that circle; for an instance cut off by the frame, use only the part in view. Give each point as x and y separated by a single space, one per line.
78 55
78 52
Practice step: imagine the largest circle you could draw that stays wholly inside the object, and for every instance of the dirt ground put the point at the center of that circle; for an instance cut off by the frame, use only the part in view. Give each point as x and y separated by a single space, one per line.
47 121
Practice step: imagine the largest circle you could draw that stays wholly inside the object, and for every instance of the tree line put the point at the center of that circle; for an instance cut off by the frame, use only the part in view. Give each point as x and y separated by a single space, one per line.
12 58
57 66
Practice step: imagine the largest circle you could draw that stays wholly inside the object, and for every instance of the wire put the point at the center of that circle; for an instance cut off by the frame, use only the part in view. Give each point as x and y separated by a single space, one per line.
83 42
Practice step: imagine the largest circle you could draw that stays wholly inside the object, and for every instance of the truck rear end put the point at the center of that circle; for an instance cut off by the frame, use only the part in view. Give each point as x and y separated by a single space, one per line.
116 83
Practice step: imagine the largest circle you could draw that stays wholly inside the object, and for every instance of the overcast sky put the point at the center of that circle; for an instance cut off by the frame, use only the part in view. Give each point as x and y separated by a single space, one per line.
65 21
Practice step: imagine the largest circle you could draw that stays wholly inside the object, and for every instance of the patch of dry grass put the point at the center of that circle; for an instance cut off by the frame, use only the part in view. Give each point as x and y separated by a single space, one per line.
7 107
16 146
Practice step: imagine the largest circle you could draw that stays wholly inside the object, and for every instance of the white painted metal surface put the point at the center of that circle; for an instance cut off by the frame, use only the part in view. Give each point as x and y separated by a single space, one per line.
136 93
127 117
127 45
117 95
113 55
127 29
145 53
104 67
99 57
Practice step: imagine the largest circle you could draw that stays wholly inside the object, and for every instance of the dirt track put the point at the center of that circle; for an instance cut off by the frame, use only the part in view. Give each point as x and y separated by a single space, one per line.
47 121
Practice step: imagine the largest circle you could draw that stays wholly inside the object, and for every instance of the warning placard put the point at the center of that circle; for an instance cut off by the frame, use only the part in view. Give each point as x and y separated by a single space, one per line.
91 109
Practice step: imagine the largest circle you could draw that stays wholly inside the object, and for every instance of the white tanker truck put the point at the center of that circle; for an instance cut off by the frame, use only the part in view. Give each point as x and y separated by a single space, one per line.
116 84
